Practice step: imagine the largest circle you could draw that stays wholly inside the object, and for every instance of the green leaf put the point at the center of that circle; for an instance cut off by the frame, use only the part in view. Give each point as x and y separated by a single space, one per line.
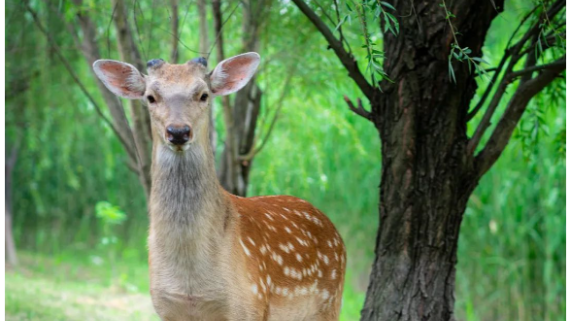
343 20
377 13
348 7
391 17
481 60
389 27
451 71
386 4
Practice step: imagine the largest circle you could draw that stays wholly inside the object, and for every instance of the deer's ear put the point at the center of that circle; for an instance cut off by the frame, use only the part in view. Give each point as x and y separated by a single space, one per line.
121 78
233 73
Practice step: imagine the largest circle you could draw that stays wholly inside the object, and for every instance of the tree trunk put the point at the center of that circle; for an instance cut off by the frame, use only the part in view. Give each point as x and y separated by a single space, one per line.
10 245
242 119
204 48
11 256
91 52
141 118
174 27
427 176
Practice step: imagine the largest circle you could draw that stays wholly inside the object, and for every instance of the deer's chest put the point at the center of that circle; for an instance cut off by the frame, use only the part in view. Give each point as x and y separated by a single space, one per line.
186 279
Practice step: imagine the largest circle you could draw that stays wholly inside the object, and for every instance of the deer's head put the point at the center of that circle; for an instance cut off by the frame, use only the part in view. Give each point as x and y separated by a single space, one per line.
178 96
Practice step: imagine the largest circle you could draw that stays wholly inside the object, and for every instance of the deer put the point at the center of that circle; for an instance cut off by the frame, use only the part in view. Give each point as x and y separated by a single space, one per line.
213 255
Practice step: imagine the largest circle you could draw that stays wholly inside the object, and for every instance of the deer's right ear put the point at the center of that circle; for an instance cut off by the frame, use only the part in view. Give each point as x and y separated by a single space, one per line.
121 78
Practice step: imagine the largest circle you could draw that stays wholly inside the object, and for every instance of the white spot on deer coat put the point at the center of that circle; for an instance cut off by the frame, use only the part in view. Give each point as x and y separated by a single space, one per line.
244 248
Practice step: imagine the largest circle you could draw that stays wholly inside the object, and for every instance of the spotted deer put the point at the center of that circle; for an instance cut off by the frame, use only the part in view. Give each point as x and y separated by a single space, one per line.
213 255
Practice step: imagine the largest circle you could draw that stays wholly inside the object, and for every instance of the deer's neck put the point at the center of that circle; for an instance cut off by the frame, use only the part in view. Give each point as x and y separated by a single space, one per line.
185 190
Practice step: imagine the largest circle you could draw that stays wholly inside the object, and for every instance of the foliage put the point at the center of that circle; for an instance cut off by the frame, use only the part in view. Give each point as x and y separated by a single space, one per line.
457 52
512 247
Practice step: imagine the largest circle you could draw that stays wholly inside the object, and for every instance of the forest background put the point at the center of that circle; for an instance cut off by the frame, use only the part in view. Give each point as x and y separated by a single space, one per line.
78 207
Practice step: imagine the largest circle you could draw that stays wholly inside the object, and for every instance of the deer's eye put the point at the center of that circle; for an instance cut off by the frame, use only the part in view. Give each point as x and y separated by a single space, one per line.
150 99
204 97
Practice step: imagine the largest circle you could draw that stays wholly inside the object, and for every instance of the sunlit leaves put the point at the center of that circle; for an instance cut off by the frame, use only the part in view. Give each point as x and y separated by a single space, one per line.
374 55
109 213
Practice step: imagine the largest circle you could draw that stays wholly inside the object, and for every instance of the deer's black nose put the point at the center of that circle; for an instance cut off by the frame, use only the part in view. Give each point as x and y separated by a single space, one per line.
178 135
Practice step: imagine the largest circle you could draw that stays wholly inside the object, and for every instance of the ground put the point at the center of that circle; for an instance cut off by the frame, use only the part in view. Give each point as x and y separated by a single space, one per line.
84 288
44 289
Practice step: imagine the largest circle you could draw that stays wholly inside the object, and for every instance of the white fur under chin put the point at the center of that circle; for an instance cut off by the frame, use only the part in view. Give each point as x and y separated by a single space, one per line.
168 154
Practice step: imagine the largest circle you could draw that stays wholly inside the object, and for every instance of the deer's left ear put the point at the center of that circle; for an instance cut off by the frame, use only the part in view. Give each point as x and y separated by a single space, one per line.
121 78
233 73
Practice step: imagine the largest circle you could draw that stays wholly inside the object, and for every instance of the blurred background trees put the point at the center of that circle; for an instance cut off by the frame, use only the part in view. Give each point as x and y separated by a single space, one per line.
68 158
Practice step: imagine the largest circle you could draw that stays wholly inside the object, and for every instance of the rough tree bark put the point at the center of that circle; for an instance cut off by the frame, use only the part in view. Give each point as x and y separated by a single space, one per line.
429 168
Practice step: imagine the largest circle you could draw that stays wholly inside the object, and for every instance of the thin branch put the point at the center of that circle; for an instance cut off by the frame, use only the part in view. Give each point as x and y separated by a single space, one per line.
324 12
359 110
254 151
532 69
523 20
515 109
342 38
546 43
144 54
174 26
516 55
56 49
219 28
91 52
489 87
345 58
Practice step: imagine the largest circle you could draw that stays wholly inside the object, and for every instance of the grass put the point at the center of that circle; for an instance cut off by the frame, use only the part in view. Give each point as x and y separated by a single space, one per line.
72 287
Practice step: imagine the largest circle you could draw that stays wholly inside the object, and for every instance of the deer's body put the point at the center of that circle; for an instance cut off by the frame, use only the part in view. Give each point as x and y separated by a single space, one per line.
212 255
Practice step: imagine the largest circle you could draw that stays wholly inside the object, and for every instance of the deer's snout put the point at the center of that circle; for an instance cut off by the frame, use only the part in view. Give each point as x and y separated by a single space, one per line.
178 135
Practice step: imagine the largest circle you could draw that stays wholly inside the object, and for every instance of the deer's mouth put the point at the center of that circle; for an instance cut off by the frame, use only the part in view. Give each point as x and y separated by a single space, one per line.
178 148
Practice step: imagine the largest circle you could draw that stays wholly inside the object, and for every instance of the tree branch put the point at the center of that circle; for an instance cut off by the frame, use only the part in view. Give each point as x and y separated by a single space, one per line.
56 49
129 52
359 110
516 55
91 52
174 26
489 87
254 151
324 12
342 38
336 45
515 109
532 69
